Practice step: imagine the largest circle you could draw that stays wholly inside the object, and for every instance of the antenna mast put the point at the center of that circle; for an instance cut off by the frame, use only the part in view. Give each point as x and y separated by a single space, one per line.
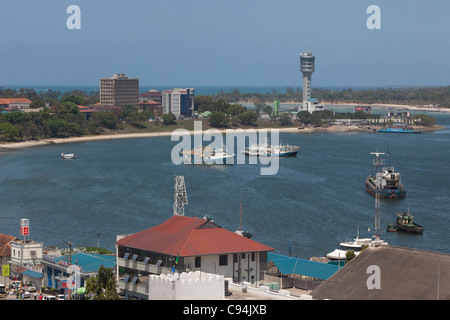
378 162
377 212
180 196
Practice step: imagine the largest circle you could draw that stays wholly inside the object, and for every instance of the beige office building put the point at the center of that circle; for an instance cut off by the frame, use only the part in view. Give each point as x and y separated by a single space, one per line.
119 90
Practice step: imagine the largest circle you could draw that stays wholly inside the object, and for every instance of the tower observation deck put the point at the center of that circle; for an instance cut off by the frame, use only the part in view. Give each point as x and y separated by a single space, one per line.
307 68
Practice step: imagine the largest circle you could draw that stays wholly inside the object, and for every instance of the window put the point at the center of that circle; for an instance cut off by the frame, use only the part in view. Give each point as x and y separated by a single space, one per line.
198 262
223 260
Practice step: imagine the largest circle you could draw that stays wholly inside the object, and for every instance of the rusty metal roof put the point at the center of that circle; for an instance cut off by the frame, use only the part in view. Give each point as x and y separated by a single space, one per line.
401 273
187 236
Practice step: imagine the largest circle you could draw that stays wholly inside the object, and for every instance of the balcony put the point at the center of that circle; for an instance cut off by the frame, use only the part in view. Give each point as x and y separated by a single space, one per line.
143 266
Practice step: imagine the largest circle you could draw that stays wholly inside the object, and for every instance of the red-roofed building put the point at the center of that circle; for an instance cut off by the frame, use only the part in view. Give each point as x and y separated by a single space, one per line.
5 248
184 243
15 103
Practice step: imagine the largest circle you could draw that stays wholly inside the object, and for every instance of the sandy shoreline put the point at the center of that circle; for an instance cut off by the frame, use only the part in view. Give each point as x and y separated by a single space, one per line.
44 142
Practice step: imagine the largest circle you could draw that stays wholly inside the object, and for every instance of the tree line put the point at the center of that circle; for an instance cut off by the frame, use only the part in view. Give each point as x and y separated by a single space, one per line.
63 118
437 96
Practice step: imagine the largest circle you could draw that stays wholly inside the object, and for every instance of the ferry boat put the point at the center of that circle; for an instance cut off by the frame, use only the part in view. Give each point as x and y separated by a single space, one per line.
267 150
385 182
208 155
398 130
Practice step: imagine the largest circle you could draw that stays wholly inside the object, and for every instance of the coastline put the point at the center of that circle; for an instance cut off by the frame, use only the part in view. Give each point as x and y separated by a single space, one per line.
45 142
331 129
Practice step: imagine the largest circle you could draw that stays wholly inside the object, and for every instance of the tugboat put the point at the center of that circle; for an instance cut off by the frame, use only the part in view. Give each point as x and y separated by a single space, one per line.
405 222
385 182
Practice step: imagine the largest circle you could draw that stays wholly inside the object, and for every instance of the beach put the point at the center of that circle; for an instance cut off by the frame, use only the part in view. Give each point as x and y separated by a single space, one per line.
36 143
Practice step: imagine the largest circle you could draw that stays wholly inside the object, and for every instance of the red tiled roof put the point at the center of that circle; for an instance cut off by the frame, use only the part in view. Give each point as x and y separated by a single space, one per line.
12 100
5 247
187 236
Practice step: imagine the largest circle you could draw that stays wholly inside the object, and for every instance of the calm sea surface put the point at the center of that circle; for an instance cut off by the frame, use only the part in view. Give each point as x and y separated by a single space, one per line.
315 201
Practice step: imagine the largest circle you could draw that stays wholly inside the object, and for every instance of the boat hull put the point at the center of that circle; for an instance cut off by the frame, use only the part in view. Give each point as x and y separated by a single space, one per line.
411 229
396 193
211 161
397 130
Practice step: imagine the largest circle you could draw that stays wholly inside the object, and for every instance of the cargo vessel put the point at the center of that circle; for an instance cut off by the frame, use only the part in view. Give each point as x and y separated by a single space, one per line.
385 182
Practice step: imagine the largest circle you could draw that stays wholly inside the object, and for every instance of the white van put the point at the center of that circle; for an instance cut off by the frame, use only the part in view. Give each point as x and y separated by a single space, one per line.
49 298
60 297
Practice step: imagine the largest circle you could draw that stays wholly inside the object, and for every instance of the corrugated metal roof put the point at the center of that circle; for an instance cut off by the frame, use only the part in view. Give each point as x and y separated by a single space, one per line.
90 262
33 274
187 236
289 265
403 274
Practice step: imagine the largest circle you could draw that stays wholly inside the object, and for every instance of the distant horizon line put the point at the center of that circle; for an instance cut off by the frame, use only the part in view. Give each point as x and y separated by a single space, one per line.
29 86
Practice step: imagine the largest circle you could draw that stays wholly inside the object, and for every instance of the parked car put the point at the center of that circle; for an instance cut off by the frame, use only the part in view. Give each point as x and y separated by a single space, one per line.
49 298
60 297
31 289
26 294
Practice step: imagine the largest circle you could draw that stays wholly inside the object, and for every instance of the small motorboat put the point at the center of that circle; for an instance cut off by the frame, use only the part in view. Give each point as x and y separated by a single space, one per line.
68 155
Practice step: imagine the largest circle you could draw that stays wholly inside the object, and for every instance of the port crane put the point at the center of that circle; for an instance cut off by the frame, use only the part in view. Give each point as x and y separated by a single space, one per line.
180 196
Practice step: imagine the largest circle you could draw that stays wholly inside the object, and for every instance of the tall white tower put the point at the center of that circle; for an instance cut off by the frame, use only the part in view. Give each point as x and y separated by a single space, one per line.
307 68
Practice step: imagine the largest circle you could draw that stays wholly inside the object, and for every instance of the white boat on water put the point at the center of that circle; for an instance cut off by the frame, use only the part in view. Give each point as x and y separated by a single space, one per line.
266 150
355 246
208 155
68 155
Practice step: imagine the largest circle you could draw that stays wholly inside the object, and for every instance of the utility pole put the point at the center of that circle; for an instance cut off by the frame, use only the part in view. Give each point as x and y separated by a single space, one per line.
70 260
98 239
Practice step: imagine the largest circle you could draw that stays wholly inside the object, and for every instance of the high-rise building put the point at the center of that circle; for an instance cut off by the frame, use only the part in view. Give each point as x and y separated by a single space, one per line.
119 90
179 102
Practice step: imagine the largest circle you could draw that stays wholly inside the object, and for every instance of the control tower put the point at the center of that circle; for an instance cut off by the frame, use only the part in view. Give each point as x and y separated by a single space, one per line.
307 68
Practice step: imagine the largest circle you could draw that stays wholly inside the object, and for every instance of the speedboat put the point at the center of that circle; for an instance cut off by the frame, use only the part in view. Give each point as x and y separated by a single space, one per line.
68 155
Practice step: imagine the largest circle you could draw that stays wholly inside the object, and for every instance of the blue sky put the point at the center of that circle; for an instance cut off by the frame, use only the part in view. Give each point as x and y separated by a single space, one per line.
229 43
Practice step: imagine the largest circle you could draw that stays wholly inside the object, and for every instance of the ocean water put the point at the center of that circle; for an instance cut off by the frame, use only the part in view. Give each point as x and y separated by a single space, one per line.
315 201
199 90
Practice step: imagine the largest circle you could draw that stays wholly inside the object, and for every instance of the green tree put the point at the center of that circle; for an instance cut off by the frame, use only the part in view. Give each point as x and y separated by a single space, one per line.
102 286
425 120
304 117
218 119
248 118
285 119
268 110
105 119
168 119
9 131
57 127
349 255
202 103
